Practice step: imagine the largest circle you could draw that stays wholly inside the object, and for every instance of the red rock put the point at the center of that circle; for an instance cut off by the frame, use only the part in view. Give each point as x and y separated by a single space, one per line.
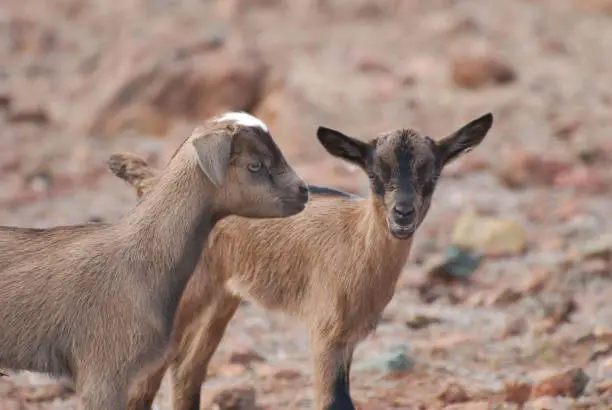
287 374
11 404
43 392
517 392
480 69
31 36
567 210
289 118
231 370
521 168
604 387
266 370
233 398
565 127
385 88
514 327
245 357
583 179
371 64
28 112
570 383
153 98
473 405
453 393
595 6
503 297
539 279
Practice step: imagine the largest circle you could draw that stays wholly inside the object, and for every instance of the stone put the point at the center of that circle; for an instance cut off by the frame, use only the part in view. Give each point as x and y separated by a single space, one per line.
279 373
489 235
233 398
192 86
598 248
453 393
514 327
604 387
538 280
32 112
245 357
570 383
517 392
472 405
397 360
503 297
44 392
290 118
372 64
549 403
583 179
286 374
604 370
31 36
519 168
11 404
603 333
594 6
231 370
472 70
6 387
422 321
456 263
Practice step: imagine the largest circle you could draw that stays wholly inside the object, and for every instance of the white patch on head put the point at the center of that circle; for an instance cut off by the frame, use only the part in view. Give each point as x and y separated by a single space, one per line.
242 118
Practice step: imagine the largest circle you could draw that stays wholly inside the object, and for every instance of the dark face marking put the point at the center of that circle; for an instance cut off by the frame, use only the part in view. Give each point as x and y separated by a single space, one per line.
404 187
403 170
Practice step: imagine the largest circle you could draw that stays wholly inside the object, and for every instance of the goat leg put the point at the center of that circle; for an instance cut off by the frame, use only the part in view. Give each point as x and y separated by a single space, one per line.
108 394
144 388
198 343
332 365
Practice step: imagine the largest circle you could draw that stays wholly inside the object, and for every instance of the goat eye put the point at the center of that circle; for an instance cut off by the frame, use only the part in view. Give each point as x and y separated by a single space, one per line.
255 167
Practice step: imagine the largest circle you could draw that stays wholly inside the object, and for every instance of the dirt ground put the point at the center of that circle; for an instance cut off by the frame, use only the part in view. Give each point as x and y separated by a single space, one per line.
82 79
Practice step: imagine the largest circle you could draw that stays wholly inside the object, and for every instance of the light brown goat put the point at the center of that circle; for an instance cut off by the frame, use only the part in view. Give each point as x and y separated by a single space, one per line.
334 266
97 302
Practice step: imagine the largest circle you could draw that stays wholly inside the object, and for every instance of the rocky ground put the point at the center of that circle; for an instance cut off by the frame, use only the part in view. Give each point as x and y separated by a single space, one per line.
503 302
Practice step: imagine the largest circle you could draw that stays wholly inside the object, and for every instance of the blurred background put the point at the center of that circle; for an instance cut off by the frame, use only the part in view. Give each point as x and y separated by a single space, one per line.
506 297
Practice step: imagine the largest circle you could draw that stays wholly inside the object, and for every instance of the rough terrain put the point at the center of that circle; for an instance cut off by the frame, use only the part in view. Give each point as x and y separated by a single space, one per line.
523 317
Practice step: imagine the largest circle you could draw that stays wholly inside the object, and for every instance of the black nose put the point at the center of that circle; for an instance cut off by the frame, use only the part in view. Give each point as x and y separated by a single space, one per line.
403 212
303 191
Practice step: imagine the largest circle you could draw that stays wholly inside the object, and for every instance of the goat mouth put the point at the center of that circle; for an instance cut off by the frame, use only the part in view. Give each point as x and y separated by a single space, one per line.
401 231
294 207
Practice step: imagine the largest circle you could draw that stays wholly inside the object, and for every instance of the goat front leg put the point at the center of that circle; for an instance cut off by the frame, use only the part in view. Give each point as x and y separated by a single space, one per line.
332 367
104 393
144 388
198 343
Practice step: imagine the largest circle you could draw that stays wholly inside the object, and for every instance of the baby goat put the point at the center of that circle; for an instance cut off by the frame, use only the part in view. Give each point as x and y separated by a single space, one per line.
334 266
96 302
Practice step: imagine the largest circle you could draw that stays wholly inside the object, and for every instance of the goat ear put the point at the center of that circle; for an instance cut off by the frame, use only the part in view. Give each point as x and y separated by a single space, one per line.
213 153
464 139
343 146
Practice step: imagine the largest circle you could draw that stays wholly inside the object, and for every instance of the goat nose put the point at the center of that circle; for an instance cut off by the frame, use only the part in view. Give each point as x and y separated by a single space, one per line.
303 190
403 211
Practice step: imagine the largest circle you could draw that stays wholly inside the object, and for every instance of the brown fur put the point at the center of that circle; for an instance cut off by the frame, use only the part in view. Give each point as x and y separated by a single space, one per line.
96 302
334 266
